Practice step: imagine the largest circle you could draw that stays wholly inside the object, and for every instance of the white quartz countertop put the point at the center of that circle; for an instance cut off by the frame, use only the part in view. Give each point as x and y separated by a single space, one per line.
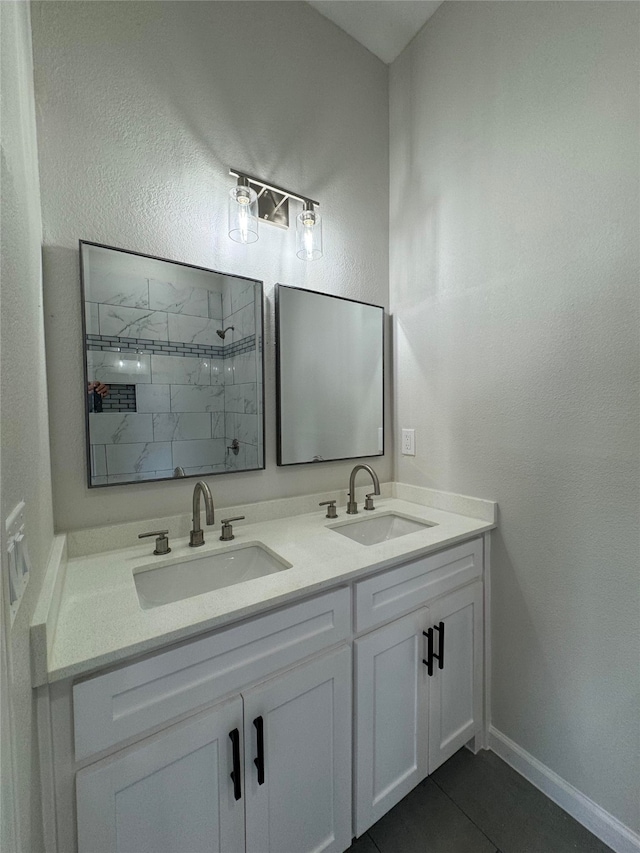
100 621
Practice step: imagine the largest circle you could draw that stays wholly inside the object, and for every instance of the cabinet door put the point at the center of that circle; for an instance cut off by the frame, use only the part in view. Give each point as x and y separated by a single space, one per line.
391 716
303 801
168 794
455 701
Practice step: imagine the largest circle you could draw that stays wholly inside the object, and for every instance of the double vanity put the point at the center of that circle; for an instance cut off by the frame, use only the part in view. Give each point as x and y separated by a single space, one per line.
275 681
277 692
180 579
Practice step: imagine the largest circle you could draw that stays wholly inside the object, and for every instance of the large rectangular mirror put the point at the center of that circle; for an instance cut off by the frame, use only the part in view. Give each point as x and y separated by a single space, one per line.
330 377
173 368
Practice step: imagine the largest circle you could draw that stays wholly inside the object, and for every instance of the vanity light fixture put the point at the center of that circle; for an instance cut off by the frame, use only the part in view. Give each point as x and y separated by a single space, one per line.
272 206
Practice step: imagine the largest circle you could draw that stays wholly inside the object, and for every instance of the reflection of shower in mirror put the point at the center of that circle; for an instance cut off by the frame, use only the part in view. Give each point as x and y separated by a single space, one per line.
171 393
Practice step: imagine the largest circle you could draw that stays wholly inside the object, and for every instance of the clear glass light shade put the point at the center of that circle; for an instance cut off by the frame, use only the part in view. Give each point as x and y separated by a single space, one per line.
309 235
243 214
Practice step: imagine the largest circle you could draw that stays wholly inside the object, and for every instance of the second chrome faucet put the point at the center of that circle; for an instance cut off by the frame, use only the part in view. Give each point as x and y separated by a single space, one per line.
352 506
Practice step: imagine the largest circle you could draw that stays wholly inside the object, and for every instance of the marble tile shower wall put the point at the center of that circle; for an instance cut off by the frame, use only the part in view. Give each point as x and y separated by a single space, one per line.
161 337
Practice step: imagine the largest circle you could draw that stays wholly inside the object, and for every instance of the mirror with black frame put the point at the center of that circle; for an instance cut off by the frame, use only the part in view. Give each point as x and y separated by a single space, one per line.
174 373
330 377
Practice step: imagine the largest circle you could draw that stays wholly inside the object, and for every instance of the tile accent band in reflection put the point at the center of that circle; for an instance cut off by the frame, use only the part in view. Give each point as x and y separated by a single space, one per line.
109 342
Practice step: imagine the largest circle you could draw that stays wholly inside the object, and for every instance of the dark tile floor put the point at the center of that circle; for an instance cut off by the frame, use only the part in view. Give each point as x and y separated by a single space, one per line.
477 804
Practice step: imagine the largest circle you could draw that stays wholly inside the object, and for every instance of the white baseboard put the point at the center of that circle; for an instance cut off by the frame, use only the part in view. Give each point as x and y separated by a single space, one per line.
598 821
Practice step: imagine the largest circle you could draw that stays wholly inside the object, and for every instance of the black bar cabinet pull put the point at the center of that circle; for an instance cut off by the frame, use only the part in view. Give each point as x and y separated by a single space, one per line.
429 661
259 761
235 773
440 656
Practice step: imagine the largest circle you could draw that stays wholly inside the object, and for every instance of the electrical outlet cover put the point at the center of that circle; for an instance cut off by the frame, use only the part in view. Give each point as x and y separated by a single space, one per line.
408 442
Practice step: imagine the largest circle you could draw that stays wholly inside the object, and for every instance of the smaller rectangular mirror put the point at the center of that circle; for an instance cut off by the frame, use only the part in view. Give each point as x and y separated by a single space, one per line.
173 368
330 377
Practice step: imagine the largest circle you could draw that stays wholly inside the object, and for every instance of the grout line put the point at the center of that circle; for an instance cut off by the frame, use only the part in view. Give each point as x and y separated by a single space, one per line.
462 811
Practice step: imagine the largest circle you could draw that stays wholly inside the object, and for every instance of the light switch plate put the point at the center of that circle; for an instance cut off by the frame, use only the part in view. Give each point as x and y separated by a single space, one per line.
408 442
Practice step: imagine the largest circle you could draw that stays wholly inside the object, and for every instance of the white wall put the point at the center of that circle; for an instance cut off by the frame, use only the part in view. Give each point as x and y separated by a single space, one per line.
24 458
514 285
142 108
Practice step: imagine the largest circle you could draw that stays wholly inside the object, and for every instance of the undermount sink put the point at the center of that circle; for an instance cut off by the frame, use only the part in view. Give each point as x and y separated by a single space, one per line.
157 585
380 528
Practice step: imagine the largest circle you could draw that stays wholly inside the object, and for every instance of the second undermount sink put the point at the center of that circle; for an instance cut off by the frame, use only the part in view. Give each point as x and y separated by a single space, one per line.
380 528
179 579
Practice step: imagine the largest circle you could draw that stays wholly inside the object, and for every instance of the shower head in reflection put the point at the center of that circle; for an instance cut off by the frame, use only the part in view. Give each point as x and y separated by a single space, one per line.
222 332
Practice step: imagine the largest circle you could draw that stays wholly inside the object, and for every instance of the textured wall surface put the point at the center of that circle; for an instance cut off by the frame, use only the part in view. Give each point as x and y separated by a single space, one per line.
24 457
514 285
142 108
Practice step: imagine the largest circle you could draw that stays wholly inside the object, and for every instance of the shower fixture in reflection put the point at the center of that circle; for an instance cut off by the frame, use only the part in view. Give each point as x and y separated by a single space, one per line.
222 332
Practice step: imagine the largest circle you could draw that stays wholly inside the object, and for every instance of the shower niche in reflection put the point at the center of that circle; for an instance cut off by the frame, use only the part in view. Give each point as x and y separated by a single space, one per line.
174 372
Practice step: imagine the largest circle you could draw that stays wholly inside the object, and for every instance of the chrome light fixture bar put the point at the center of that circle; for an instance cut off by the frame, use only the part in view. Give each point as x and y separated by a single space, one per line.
273 207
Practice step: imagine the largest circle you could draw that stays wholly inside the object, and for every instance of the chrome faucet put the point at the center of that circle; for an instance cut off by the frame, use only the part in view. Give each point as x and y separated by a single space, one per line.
352 506
196 537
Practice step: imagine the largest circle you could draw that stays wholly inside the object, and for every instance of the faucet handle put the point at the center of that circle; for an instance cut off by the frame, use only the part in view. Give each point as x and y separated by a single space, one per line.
162 542
368 501
227 529
331 508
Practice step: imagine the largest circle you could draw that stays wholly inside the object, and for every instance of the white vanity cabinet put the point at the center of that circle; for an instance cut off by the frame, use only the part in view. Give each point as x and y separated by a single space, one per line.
246 739
167 794
303 803
455 690
417 699
267 772
391 705
239 740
